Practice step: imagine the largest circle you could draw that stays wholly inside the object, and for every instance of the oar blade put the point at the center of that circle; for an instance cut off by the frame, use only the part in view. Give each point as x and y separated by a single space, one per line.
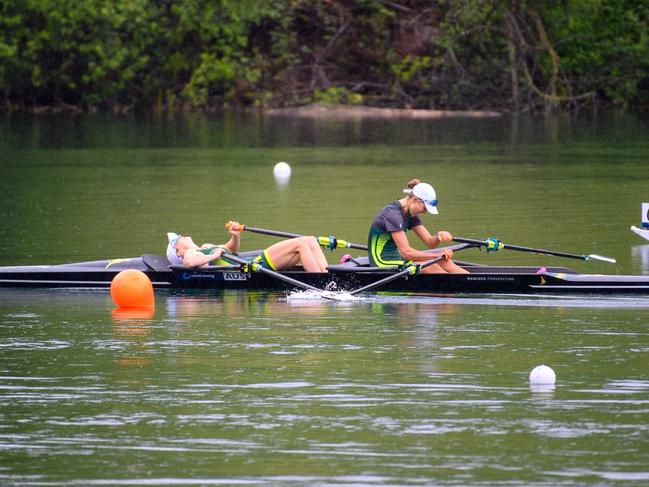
601 257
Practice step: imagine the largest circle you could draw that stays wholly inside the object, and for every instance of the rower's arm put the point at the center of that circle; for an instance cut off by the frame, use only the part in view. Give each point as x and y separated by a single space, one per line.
432 241
235 229
233 244
408 252
194 258
429 240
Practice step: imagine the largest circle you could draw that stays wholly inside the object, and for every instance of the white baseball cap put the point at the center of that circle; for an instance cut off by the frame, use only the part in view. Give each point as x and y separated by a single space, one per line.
426 193
172 256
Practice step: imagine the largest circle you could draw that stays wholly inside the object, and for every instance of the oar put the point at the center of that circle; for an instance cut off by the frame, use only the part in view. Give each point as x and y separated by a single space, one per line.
410 270
259 268
493 244
330 242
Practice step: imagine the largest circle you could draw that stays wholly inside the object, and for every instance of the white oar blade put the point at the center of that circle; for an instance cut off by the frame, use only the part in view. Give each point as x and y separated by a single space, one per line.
309 295
600 257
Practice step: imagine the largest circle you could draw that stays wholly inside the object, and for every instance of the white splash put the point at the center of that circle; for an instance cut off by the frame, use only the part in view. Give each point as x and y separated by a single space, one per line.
298 296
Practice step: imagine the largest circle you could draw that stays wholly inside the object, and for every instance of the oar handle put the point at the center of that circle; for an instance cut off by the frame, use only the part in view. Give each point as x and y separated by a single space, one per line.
330 242
410 270
494 244
264 231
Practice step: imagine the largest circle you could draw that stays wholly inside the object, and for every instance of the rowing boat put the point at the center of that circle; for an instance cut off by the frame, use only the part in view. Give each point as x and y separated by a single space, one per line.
482 279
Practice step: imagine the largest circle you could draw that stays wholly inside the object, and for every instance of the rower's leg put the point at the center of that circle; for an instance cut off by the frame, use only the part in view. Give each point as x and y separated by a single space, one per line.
452 267
318 254
433 269
444 267
288 253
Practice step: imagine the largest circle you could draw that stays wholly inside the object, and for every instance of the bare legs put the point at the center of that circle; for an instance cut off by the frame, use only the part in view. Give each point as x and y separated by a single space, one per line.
288 253
445 266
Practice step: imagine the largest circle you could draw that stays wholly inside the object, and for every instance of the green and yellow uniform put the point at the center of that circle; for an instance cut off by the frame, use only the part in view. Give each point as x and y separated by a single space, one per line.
263 259
381 247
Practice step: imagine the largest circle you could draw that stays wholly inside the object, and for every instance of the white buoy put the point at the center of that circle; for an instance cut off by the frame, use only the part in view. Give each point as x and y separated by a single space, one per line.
542 374
282 170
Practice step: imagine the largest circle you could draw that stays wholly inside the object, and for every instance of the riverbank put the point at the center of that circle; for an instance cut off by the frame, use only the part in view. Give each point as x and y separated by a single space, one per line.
306 111
353 111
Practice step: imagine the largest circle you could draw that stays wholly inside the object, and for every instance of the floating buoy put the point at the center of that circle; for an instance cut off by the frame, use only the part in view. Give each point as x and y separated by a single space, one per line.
542 374
282 170
132 289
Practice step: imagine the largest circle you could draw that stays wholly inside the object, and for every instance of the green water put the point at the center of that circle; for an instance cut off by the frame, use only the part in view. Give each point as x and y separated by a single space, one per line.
232 388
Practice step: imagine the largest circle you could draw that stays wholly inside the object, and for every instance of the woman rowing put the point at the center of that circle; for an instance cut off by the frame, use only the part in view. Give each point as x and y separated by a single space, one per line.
387 241
181 250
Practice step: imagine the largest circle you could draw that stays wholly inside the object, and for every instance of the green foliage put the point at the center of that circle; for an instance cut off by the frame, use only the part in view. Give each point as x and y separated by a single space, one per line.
337 96
606 47
124 54
408 67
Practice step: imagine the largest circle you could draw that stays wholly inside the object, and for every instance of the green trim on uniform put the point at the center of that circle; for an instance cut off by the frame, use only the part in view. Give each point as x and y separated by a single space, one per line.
382 251
265 261
218 261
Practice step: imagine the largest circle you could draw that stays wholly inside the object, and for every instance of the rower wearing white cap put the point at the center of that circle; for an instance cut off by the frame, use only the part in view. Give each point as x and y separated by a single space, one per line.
286 254
388 244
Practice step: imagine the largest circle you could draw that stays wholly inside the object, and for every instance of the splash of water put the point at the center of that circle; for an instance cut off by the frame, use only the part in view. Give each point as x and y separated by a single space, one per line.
319 296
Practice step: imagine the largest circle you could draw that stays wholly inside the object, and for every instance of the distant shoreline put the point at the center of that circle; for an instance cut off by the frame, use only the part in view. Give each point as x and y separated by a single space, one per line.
307 111
353 111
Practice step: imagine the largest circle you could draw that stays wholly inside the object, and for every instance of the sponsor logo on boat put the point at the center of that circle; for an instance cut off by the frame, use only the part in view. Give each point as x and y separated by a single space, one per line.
216 276
235 276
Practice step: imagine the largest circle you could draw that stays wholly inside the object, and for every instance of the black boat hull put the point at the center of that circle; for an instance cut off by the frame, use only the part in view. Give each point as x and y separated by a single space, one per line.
481 280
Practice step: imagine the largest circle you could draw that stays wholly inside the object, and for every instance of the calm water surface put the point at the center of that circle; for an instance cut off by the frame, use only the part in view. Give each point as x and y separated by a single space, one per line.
232 388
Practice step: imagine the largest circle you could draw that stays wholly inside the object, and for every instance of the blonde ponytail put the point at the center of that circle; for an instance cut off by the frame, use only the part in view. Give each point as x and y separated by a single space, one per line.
413 182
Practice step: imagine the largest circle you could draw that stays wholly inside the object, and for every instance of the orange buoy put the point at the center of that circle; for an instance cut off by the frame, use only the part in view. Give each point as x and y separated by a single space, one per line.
132 289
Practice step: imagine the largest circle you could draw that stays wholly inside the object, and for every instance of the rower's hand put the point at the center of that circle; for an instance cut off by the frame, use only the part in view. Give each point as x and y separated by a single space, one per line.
447 253
444 236
235 228
217 252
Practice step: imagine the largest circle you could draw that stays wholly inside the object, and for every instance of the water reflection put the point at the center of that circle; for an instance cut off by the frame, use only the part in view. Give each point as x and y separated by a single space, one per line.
543 390
228 386
254 130
640 258
132 314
